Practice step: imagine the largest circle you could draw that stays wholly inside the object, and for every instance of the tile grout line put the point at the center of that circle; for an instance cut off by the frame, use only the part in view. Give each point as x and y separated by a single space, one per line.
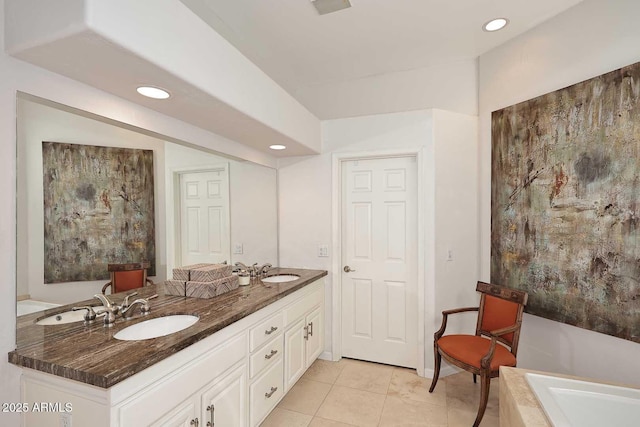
323 400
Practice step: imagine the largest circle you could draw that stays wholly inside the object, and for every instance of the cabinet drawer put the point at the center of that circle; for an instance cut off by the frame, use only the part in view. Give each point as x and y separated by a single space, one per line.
265 357
264 331
266 392
302 307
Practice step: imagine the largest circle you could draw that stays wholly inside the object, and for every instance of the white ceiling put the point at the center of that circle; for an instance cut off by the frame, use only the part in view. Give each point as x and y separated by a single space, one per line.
300 49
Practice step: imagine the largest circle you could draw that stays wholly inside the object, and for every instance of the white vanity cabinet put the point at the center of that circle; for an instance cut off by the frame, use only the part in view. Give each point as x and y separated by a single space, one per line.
221 404
304 336
233 378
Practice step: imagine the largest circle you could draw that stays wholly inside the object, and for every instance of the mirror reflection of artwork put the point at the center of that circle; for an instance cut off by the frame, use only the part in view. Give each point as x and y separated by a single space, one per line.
98 209
565 195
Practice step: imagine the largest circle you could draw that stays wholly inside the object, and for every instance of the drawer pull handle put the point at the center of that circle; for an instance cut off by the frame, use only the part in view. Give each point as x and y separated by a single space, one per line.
195 422
273 390
311 329
272 330
270 355
306 332
211 409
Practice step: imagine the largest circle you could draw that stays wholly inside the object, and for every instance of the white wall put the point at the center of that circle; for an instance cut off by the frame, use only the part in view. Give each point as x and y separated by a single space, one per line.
448 86
20 76
589 39
448 141
37 123
253 204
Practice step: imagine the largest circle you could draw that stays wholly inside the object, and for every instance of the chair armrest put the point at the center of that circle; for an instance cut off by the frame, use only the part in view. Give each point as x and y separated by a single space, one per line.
445 314
485 362
504 331
104 288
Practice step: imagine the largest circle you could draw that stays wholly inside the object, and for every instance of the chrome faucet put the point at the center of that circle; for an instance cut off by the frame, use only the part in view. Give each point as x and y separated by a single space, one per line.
142 302
251 270
261 271
110 309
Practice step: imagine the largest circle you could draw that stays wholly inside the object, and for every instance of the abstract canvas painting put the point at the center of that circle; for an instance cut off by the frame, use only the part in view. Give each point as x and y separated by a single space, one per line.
565 197
98 209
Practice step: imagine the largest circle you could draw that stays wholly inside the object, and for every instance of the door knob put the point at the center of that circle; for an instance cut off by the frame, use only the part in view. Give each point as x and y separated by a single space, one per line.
347 269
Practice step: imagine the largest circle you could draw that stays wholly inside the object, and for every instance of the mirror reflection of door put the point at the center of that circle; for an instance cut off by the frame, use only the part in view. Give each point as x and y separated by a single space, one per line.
204 216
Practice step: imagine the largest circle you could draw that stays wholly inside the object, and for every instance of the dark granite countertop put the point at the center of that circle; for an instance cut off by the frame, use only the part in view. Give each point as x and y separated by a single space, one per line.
88 352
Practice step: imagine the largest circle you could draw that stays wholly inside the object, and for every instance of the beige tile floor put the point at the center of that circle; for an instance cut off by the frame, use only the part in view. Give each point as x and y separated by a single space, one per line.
355 393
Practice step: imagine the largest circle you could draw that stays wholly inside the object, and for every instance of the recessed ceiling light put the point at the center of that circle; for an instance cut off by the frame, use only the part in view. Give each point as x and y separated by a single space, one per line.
277 147
495 24
153 92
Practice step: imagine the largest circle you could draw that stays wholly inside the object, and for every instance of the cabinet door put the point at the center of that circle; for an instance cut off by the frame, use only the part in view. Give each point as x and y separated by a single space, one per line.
294 352
315 333
180 416
224 404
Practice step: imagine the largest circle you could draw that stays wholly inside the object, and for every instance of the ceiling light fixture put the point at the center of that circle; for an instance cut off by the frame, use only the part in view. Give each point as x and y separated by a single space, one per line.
277 147
495 24
153 92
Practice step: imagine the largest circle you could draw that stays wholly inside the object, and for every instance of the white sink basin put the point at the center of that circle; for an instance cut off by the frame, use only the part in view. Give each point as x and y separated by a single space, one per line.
280 278
62 318
157 327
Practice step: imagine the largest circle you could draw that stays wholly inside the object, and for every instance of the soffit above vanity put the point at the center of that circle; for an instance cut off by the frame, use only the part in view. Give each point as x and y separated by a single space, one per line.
119 45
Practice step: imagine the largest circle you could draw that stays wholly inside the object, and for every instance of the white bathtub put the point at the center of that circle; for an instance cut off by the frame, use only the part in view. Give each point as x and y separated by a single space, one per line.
573 403
29 306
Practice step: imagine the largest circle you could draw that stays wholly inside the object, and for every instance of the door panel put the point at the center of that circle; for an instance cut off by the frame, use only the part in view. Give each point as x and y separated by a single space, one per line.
224 403
180 416
362 307
204 217
294 361
379 245
315 334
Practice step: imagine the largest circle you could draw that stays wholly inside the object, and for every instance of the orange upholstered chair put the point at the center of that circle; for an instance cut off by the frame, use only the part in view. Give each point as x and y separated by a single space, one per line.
125 277
494 344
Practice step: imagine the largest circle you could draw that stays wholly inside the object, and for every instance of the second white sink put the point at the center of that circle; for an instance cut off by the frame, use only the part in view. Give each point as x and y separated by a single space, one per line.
157 327
280 278
63 318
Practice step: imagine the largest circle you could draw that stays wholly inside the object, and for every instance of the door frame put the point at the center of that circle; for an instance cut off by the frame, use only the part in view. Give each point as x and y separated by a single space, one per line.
176 173
336 225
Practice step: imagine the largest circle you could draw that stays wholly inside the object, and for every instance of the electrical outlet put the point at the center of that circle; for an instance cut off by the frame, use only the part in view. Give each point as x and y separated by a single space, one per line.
323 251
450 255
65 419
237 249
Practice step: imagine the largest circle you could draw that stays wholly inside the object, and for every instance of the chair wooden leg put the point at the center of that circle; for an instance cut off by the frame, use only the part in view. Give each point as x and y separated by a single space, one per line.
485 382
474 379
436 368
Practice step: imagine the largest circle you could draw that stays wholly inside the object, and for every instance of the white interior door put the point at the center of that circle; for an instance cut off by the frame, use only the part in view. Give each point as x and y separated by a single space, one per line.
204 217
379 260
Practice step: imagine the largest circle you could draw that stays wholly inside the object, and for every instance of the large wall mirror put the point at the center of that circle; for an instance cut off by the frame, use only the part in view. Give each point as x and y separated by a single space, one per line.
241 225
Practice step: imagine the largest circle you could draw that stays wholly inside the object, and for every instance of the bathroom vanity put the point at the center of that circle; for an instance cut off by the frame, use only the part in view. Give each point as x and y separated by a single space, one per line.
231 368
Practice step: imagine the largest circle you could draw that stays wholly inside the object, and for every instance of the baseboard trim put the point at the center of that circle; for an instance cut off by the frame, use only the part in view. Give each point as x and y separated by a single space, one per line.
326 355
445 371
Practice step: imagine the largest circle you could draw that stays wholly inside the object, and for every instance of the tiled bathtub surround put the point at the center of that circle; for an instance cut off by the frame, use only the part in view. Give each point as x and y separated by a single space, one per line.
355 393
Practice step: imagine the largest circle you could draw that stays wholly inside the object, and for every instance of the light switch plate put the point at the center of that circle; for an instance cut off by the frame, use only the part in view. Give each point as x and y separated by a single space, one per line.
237 249
323 251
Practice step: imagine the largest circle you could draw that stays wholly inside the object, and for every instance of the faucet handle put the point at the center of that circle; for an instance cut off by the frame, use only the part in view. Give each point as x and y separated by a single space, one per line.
144 308
125 303
90 315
